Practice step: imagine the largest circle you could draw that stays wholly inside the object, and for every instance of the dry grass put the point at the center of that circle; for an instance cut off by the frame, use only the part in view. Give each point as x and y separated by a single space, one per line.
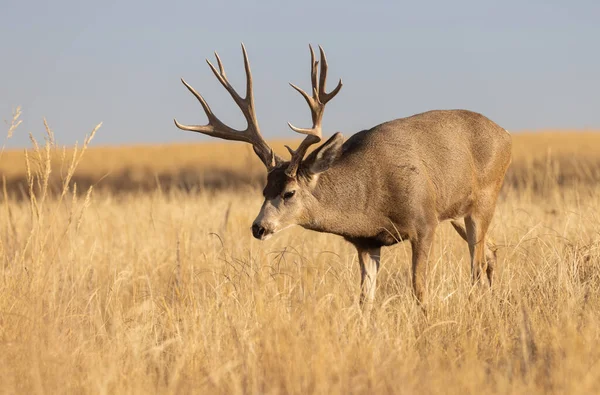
166 292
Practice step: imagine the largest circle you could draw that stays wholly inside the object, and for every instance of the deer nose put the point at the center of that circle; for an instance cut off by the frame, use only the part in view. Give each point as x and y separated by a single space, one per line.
258 231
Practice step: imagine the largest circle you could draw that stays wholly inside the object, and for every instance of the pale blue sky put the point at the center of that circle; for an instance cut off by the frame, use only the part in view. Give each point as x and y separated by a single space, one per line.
524 64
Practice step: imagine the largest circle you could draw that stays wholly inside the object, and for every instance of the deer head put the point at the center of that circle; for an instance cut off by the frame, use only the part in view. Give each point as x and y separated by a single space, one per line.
288 193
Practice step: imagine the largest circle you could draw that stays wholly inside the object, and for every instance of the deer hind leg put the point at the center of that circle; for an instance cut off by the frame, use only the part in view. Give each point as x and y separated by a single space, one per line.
477 225
369 265
490 250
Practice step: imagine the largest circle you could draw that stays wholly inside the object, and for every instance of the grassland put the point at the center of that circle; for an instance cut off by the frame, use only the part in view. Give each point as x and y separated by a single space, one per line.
163 290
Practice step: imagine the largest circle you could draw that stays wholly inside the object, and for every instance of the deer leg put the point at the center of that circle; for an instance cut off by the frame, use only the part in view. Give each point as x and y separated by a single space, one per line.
369 265
476 226
490 251
421 247
491 265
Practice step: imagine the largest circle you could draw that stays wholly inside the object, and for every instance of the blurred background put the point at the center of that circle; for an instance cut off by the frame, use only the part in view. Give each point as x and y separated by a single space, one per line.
526 65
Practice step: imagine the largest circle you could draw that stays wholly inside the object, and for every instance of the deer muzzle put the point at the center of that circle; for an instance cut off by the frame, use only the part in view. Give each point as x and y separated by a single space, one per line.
260 232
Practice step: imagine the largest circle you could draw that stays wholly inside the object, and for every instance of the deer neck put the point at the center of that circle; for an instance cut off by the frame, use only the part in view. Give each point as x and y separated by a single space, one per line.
338 202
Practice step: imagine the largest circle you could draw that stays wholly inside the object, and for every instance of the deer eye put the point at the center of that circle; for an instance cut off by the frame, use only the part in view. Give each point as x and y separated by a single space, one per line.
288 195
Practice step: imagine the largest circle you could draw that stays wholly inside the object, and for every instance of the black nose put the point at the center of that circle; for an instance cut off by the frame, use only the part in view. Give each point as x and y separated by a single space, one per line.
257 231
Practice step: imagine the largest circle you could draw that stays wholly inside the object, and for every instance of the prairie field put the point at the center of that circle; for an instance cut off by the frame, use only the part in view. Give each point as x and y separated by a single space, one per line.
130 270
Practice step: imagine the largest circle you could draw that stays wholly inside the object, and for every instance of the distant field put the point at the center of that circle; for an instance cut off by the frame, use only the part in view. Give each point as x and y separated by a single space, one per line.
539 158
165 291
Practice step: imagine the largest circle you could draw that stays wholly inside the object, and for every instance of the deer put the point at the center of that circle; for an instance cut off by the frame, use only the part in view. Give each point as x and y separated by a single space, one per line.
394 182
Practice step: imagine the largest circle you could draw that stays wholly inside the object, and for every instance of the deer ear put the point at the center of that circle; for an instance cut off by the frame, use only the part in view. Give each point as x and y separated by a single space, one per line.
323 157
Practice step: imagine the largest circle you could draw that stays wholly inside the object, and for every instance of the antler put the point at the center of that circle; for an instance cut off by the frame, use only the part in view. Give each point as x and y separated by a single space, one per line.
317 107
216 128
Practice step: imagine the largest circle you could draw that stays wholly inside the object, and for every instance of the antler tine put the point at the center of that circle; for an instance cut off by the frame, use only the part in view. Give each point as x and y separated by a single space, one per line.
205 106
314 71
249 91
324 96
216 128
316 103
225 82
221 68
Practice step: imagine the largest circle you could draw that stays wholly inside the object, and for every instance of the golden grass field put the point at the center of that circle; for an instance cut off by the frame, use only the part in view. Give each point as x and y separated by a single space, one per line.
164 290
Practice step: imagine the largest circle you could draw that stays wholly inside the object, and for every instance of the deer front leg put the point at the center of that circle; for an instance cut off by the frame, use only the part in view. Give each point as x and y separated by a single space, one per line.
421 247
369 265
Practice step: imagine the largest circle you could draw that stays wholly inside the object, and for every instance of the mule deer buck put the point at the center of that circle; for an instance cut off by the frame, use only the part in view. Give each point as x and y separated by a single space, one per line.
396 181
